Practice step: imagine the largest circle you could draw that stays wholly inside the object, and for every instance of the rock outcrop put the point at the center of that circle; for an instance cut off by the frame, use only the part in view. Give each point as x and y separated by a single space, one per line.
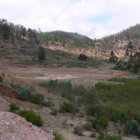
14 127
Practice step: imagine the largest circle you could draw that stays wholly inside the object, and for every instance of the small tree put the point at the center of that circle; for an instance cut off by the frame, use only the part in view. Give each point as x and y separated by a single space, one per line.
41 53
113 58
130 50
82 57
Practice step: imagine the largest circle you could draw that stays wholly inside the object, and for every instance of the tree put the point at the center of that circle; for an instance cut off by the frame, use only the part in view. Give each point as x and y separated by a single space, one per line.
41 53
130 50
82 57
113 58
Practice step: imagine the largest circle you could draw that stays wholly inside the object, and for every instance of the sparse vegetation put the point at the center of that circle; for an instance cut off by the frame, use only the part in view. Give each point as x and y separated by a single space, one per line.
78 130
67 107
58 135
13 107
31 116
37 99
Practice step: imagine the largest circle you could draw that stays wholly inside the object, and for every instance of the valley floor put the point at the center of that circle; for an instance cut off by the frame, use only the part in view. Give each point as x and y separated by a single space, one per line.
32 76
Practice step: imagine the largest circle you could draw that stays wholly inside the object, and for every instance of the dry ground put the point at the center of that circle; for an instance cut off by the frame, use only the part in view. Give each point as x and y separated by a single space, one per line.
30 76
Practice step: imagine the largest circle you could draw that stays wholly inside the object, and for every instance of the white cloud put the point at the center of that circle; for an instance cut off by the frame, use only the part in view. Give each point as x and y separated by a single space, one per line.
72 15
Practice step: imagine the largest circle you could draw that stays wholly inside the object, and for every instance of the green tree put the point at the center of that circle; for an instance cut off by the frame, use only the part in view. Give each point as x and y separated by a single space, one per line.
113 58
130 50
82 57
41 53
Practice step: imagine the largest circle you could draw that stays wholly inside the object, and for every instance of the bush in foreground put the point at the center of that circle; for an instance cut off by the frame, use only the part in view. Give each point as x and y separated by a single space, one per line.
31 116
58 135
13 107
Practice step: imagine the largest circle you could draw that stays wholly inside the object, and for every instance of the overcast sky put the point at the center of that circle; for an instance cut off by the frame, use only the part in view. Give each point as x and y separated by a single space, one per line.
94 18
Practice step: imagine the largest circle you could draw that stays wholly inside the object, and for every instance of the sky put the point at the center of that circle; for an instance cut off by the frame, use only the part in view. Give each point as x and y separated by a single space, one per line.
93 18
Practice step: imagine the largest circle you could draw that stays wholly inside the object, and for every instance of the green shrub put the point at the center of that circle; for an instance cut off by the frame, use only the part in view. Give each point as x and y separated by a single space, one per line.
58 135
129 66
115 115
31 116
13 107
54 111
1 79
131 127
82 57
110 137
37 99
24 93
103 121
136 67
118 115
66 107
41 53
102 86
78 130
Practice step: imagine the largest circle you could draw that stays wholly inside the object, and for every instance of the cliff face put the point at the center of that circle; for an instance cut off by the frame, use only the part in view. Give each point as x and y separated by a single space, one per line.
14 127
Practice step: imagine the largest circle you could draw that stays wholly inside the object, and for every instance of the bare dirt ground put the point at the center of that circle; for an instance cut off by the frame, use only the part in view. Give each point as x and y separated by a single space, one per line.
85 76
32 75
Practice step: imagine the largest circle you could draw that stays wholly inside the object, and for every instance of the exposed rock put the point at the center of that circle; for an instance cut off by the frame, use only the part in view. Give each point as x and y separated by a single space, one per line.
14 127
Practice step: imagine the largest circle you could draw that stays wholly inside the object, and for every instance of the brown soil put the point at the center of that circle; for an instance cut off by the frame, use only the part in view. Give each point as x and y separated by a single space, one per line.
7 91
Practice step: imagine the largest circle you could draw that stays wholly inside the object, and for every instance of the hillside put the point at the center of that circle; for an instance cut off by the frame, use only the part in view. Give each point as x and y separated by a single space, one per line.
120 40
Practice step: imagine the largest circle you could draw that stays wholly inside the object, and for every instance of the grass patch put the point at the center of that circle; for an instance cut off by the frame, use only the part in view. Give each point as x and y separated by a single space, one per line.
124 96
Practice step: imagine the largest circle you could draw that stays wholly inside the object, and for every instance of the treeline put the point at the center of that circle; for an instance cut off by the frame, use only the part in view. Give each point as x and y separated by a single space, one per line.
65 38
130 34
11 32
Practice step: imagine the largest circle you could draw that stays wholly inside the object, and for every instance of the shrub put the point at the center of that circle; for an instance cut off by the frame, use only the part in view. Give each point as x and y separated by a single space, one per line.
131 127
115 115
13 107
136 67
54 111
37 99
78 130
113 58
31 116
24 93
1 79
41 53
79 90
58 135
82 57
110 137
129 66
103 121
66 107
87 126
102 86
